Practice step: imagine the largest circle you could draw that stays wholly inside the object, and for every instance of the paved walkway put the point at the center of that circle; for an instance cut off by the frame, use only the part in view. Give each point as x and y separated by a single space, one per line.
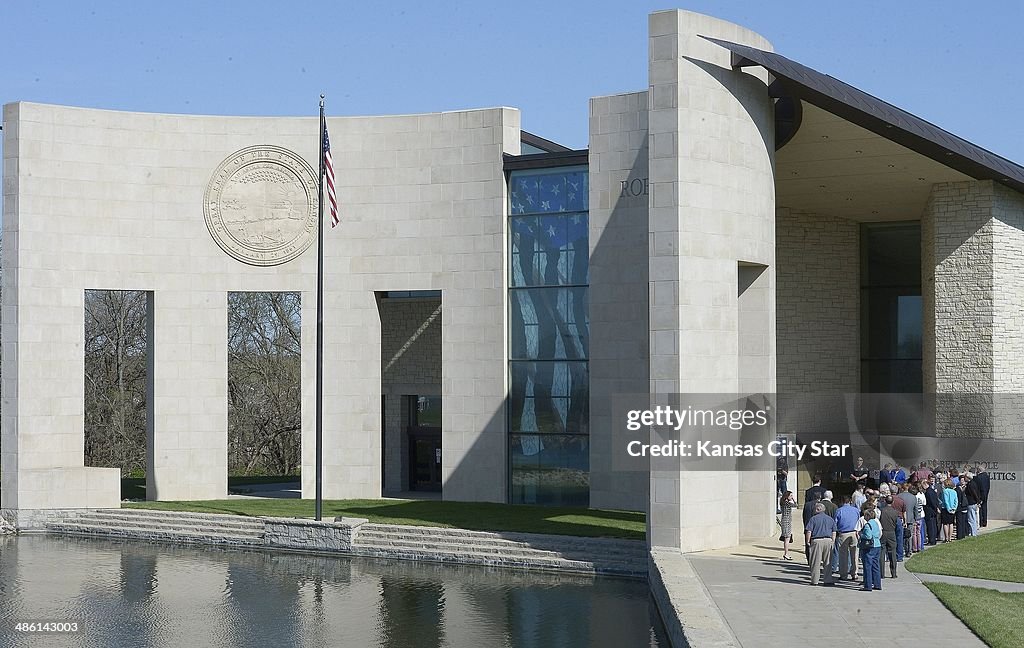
1002 586
767 602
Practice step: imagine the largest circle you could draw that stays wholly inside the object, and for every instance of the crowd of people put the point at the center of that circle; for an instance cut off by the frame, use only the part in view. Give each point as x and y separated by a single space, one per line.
887 518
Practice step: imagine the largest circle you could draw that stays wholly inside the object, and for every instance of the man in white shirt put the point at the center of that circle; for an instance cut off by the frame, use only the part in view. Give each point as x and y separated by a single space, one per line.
858 496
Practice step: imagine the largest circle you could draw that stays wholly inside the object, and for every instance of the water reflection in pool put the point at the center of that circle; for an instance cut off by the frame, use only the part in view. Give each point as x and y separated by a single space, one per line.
141 594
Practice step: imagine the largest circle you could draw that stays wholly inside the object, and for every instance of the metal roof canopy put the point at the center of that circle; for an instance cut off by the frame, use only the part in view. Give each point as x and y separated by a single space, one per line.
882 118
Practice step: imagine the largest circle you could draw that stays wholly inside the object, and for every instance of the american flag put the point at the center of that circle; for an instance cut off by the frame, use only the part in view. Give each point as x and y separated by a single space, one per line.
329 175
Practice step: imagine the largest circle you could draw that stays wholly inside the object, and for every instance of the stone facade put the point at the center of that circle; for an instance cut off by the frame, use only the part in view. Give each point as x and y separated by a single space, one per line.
817 297
411 359
712 209
619 344
957 286
973 262
1008 298
423 208
699 283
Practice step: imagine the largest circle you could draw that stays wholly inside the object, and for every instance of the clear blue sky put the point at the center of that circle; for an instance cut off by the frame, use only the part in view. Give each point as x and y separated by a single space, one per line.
957 64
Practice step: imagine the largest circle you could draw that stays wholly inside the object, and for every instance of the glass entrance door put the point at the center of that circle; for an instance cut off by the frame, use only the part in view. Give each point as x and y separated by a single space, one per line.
425 462
424 436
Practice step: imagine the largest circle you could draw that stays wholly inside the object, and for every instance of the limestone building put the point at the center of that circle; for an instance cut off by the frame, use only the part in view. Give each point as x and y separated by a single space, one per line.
744 224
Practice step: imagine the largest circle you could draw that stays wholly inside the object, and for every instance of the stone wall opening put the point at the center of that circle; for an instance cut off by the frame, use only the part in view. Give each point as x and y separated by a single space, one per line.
264 387
118 384
410 325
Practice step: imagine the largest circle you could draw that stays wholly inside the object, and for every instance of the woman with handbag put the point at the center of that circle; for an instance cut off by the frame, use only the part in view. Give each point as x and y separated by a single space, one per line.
870 546
786 504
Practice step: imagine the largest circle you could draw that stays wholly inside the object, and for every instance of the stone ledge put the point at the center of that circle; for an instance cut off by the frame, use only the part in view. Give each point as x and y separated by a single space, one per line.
691 618
37 519
313 535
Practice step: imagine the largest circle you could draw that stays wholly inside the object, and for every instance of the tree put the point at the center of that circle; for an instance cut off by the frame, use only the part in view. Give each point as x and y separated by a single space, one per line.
115 379
264 383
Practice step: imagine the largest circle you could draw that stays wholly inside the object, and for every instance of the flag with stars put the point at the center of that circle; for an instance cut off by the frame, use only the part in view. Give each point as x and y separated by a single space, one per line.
558 203
548 193
329 176
549 226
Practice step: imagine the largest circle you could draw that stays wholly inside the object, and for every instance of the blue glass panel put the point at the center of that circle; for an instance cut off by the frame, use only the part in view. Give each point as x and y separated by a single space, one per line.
549 324
549 191
549 250
550 397
550 469
577 191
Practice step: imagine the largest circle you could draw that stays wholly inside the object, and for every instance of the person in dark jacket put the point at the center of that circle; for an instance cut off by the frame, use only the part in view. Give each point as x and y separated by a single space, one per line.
961 510
885 477
932 508
815 492
890 519
812 500
973 503
984 485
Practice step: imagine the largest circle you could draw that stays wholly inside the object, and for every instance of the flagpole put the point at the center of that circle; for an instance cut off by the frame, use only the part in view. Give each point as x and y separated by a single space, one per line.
320 326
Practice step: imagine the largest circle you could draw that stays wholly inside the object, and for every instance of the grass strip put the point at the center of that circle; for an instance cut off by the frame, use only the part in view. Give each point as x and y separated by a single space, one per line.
478 516
993 556
996 617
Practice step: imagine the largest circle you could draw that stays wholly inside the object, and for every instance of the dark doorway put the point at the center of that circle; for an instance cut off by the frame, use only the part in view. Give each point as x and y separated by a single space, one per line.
424 435
410 347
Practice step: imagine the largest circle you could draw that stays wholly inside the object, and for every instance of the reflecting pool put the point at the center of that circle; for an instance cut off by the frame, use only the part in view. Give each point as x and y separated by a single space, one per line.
150 594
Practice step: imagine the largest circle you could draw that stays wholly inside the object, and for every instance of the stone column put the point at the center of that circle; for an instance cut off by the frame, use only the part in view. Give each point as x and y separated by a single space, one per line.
973 283
619 345
973 258
712 208
188 440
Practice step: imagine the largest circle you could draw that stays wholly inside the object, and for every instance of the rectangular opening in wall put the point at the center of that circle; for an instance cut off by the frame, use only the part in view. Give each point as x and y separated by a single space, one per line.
412 432
891 308
265 393
754 328
118 374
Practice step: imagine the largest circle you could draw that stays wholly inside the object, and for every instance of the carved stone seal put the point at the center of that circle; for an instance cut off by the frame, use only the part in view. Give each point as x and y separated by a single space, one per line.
261 205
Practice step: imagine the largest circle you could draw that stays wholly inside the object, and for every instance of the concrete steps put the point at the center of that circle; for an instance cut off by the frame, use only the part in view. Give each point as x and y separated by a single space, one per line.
514 550
532 539
193 528
590 555
185 520
626 552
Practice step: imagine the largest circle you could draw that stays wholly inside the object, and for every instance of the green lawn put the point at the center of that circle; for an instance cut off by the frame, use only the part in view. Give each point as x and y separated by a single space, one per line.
464 515
996 617
994 556
135 487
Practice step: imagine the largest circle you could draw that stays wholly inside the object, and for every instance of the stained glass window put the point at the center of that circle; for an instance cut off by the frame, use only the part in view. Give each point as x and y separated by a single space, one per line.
549 338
